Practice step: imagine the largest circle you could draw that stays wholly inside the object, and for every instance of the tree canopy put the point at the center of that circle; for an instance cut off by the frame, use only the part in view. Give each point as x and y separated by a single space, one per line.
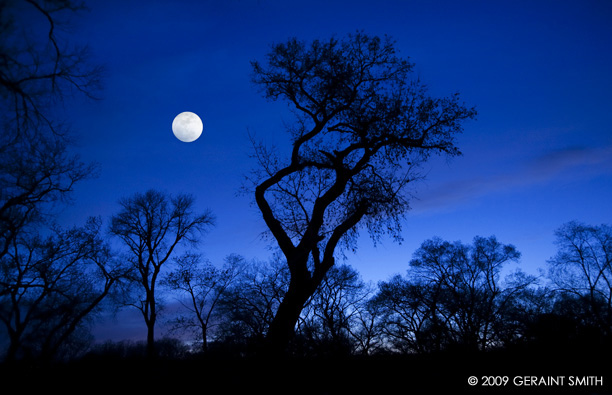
363 125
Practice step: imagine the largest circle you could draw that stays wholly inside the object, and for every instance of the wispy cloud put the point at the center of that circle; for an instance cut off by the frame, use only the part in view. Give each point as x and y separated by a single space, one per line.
563 165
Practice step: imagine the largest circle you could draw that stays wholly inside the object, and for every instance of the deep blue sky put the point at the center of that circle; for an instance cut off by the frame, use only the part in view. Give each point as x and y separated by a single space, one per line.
538 72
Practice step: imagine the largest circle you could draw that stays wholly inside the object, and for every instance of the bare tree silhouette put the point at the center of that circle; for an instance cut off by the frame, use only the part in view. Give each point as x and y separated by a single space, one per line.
362 129
51 285
330 318
582 270
249 305
38 69
204 286
454 296
151 225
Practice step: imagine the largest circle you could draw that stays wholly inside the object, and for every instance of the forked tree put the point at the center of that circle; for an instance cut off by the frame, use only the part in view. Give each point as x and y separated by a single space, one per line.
202 287
363 125
152 225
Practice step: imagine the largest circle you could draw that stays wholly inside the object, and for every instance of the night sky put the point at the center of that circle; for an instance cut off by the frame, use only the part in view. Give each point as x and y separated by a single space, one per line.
538 155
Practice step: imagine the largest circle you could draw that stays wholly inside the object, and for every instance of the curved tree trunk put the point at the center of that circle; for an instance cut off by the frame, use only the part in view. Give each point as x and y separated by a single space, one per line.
282 328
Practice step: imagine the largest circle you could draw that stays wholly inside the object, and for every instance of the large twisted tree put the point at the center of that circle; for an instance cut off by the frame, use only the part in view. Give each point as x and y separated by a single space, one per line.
363 126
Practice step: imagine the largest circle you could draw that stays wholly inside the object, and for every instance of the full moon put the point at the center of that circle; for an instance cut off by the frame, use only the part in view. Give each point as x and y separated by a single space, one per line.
187 127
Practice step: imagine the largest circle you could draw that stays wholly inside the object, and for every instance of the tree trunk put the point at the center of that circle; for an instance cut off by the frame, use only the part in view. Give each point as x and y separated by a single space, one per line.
204 339
11 353
150 321
150 340
282 328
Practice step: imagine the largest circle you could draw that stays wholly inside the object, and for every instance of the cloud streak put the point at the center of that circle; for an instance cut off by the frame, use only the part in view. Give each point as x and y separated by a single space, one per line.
564 165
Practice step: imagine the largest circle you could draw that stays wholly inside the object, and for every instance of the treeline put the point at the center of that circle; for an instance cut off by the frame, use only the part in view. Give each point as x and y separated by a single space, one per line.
453 296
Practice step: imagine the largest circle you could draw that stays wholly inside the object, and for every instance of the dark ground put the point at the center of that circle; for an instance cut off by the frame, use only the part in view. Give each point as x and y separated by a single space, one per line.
438 374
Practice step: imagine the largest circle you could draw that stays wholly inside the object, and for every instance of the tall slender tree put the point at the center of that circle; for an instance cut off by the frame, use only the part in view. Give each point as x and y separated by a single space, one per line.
151 225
